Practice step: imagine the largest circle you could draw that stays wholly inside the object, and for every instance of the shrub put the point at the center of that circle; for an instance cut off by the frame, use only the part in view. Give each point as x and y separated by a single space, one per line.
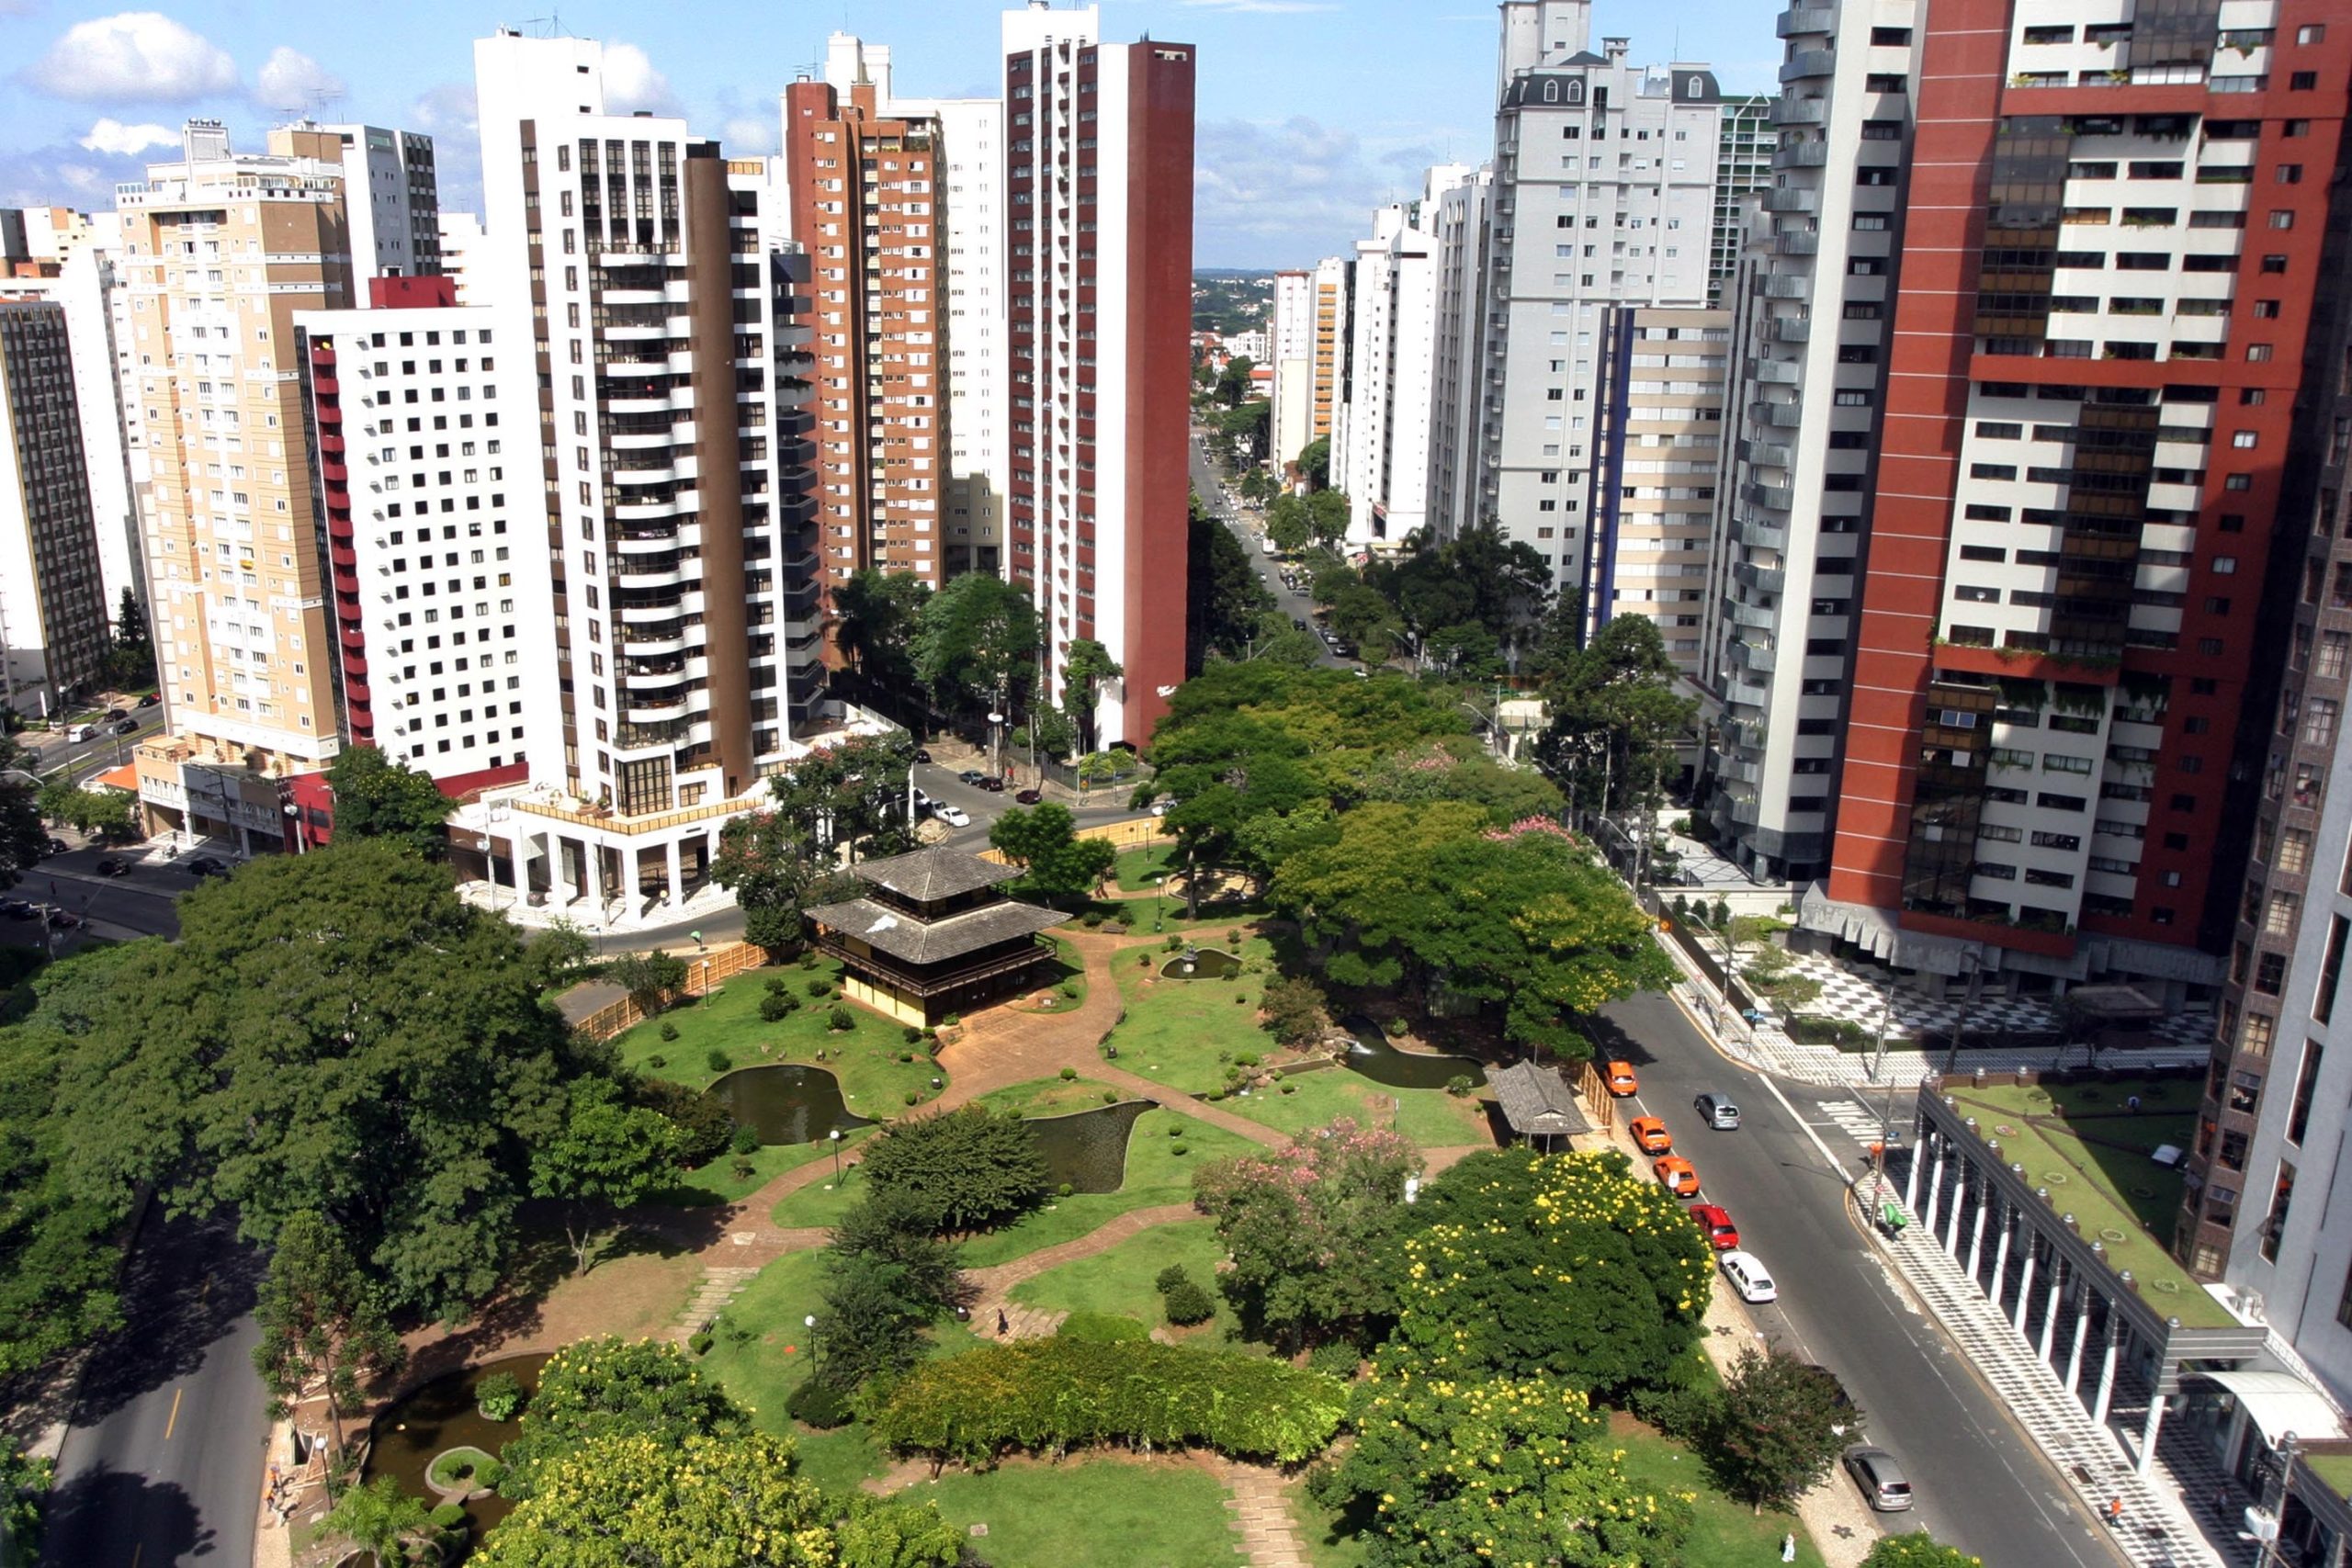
1290 1089
1459 1085
1399 1029
912 1098
1143 960
744 1142
498 1396
1233 939
840 1019
912 1035
953 1021
967 1169
717 1059
704 1125
657 1062
1335 1358
1167 1278
1102 1328
1069 992
1069 1392
1064 1191
1294 1011
819 1405
1091 919
447 1517
1126 915
1176 1149
820 988
774 986
1246 1059
1173 944
1067 1074
1188 1305
668 1031
699 1341
1917 1550
809 960
777 1006
743 1168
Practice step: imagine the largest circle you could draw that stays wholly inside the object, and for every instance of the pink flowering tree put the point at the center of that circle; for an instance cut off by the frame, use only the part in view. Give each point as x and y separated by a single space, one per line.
1313 1229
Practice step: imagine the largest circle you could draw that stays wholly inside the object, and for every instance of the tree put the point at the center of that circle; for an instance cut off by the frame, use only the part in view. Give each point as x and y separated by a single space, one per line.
1294 1010
1223 595
1362 617
1458 1474
893 1226
336 1033
102 813
975 642
1044 841
594 1389
649 978
1086 664
1615 717
963 1170
1326 517
708 1502
1917 1550
1315 461
875 616
1777 1427
376 798
24 1486
1312 1229
323 1322
1562 1266
607 1153
131 623
1233 381
873 1321
379 1519
841 796
763 861
1288 525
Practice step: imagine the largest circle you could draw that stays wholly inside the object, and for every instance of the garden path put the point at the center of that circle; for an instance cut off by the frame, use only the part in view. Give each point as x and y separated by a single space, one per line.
1260 1499
997 1280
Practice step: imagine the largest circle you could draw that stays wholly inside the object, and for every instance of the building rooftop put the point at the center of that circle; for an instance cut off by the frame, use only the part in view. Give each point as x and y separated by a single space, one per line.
1537 1101
901 936
928 875
2095 1155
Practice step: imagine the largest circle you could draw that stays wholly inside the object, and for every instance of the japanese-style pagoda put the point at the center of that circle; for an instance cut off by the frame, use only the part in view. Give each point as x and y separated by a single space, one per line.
933 935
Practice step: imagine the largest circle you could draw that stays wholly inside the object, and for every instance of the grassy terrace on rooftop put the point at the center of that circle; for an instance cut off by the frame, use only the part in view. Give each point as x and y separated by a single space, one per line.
2079 1141
2335 1471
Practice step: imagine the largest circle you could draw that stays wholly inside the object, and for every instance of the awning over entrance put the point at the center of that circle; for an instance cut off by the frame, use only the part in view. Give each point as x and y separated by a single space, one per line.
2280 1403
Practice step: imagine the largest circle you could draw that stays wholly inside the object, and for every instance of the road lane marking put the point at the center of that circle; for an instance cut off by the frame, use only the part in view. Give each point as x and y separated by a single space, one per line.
174 1418
1806 1127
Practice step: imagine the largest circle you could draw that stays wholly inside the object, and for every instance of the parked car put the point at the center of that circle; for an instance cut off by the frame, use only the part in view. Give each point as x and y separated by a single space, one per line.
1748 1276
112 865
971 775
921 755
1028 797
149 700
1676 1176
1884 1486
1163 806
65 920
1715 1223
1650 1135
1717 1112
204 865
1298 623
1621 1081
16 909
955 816
1344 650
57 846
113 714
990 783
124 725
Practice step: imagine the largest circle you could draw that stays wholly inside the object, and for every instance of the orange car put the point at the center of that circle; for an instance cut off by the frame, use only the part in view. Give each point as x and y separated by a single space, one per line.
1621 1081
1650 1135
1677 1175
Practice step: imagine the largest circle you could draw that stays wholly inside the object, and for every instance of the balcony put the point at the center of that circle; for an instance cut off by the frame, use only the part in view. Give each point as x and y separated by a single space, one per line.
654 640
1804 19
1804 155
1779 498
652 571
1777 416
1798 111
1790 329
1795 244
1760 534
1808 64
1791 198
1754 616
652 614
1762 578
1768 454
664 713
1777 372
1788 286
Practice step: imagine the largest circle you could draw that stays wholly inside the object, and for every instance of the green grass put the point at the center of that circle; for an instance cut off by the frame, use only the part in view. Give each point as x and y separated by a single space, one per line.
1156 1174
1070 977
2116 1194
865 1057
1427 1118
1183 1032
1119 1279
1138 869
1156 1513
717 1183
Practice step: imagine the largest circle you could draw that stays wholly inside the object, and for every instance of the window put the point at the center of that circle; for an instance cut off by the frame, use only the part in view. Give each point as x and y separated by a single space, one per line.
2298 1113
2330 969
2254 1035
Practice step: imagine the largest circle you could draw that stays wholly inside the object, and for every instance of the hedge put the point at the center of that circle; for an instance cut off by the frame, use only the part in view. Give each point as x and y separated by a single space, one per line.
1059 1393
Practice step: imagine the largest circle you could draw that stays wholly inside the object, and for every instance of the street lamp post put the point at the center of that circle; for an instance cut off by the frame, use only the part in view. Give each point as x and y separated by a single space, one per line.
294 820
1886 1111
816 1348
488 868
835 1138
2277 1523
996 742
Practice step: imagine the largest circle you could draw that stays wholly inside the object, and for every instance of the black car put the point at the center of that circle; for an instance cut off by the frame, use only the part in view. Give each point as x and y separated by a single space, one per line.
112 865
65 920
993 785
204 865
16 909
921 755
1028 797
124 725
1297 623
57 847
149 700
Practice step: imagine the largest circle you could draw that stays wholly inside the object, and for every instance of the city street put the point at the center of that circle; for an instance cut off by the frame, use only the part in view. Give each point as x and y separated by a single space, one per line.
1981 1486
164 1462
80 756
1294 605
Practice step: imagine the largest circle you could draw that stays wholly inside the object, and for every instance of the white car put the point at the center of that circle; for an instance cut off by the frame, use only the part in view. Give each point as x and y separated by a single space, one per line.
955 816
1749 1276
1162 807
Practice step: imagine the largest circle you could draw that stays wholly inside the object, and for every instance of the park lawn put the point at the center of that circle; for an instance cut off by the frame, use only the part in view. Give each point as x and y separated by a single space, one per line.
1725 1534
1427 1118
1156 1174
1184 1033
1053 1097
1158 1513
1138 869
1119 1279
1067 988
865 1057
715 1182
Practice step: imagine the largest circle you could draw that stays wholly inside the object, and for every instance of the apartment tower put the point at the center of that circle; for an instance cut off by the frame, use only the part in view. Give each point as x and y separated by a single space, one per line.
1290 354
53 599
394 200
1744 147
1099 196
863 199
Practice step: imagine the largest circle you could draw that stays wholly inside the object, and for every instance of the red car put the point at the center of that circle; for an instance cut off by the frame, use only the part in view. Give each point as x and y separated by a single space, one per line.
1028 797
1716 1224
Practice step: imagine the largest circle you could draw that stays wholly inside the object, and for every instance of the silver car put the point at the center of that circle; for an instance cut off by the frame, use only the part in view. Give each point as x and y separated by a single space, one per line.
1883 1484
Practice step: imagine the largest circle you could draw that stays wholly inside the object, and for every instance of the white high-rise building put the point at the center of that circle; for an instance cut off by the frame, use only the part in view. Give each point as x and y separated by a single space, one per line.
460 241
1457 395
393 199
1290 352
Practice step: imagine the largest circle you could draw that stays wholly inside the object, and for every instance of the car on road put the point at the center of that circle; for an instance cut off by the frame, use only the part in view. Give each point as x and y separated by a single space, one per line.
921 754
1621 1081
1884 1486
1162 807
971 775
80 733
1676 1176
16 909
1298 623
955 816
204 865
149 700
1748 1276
988 783
1715 1223
1650 1135
126 725
1027 797
112 865
1717 1112
113 714
65 920
57 847
1344 650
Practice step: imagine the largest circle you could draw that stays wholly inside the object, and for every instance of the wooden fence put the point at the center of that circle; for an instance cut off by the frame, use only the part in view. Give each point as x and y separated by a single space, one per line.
1132 834
706 972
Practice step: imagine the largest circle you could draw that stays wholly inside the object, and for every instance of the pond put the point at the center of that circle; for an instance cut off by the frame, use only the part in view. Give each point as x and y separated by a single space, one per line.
1376 1059
786 1104
1200 964
1087 1149
439 1417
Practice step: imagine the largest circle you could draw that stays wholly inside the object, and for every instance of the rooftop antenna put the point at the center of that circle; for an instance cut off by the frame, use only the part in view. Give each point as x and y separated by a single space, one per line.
552 21
321 97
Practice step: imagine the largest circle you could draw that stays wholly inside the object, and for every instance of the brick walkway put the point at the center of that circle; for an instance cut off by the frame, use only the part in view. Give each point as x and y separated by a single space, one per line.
1260 1498
996 1281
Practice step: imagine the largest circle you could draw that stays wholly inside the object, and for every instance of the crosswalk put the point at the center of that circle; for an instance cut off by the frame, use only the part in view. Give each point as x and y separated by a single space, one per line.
1861 1121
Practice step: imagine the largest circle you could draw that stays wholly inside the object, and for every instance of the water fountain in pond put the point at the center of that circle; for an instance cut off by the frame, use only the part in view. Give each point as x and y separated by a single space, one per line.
1200 964
431 1420
1376 1058
786 1103
1087 1150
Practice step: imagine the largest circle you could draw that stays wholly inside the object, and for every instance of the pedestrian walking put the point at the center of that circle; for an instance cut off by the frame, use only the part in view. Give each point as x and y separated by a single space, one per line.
2114 1511
1002 1327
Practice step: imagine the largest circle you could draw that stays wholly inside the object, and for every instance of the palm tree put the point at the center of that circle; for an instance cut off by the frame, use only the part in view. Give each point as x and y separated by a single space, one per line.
376 1517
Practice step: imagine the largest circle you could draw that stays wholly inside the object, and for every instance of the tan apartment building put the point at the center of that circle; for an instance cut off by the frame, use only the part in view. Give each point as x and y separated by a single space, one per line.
864 198
220 251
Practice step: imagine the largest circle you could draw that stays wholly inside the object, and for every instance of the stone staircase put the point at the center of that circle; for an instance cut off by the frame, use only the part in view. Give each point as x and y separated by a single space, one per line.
717 1287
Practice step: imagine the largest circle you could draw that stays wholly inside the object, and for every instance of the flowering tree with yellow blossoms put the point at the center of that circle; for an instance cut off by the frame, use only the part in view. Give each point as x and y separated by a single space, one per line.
1507 1471
1565 1266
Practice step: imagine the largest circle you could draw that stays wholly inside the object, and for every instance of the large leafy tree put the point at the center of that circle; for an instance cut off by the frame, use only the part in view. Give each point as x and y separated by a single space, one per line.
1224 599
839 795
595 1389
1086 664
608 1152
1467 1473
1043 843
1315 461
1288 525
22 840
975 642
323 1324
1361 616
1777 1427
1562 1266
874 616
333 1032
376 798
1312 1229
763 860
962 1169
707 1502
1616 717
382 1519
1917 1550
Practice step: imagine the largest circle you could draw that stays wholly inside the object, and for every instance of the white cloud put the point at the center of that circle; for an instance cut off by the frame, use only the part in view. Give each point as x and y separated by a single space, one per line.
135 56
448 114
1286 194
1259 7
111 135
290 80
631 82
65 175
446 108
750 134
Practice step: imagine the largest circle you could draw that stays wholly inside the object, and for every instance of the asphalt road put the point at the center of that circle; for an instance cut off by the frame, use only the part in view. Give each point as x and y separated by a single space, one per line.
107 751
1981 1485
164 1462
1221 501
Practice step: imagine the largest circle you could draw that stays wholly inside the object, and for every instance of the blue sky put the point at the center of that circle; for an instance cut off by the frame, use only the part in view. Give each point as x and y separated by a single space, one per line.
1310 111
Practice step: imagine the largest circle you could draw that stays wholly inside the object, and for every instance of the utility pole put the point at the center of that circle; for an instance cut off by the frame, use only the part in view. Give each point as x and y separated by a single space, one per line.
1967 1001
1886 1112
